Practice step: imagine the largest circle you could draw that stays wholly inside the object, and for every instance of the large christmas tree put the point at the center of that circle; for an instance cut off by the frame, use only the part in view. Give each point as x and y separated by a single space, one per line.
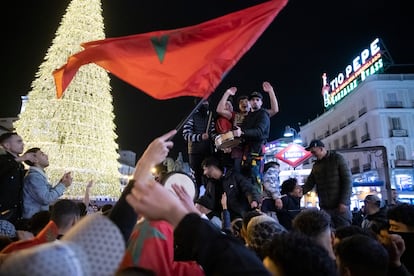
77 131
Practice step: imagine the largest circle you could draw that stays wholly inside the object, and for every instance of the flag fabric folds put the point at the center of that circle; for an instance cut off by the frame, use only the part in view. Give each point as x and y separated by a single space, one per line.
189 61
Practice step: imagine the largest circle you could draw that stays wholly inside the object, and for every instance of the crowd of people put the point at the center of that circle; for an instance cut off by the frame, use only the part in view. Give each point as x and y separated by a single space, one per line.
240 221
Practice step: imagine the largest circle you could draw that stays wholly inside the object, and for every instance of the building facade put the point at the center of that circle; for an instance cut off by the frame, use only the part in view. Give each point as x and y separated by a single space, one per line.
378 112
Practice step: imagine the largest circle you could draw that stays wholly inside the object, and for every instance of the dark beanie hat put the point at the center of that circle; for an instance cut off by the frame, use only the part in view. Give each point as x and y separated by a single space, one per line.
206 201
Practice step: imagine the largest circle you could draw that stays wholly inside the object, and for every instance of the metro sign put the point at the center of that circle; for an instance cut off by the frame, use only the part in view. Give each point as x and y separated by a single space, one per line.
293 155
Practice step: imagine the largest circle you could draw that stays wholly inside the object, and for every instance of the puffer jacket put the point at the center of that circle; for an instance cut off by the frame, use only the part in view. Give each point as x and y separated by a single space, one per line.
332 179
271 184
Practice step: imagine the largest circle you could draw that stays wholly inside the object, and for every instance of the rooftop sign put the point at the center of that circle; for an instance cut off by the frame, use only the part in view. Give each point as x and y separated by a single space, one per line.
367 63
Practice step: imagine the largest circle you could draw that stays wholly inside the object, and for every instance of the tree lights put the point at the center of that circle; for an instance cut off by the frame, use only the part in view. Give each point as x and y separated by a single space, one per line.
77 131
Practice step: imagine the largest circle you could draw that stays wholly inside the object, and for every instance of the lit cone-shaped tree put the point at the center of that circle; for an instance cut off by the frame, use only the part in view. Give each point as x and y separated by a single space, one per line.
77 131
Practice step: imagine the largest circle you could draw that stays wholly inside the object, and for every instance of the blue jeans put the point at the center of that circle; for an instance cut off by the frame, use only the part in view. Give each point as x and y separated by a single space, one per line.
339 219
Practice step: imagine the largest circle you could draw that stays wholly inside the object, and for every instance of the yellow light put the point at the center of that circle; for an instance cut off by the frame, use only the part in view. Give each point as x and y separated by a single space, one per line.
154 170
77 131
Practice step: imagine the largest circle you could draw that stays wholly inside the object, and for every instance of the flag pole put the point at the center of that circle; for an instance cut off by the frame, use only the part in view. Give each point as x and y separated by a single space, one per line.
181 124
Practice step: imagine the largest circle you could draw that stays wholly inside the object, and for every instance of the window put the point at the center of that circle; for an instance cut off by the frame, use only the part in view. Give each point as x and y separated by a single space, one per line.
395 123
392 101
355 166
344 141
355 162
392 97
366 127
400 153
336 144
354 141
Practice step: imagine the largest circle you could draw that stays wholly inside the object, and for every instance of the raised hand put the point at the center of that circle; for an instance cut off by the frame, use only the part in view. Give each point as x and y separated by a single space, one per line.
155 202
184 197
67 179
231 91
155 153
267 87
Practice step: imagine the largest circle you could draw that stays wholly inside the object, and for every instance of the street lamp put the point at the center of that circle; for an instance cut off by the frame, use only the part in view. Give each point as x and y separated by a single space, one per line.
291 132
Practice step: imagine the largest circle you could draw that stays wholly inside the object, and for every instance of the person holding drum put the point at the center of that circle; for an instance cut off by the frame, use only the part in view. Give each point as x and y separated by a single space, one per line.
226 121
254 133
236 119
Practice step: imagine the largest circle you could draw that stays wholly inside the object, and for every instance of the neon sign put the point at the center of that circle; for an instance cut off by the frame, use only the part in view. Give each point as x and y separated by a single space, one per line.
367 63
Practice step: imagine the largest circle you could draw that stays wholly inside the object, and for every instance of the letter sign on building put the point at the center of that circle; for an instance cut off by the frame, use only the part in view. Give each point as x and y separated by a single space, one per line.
368 62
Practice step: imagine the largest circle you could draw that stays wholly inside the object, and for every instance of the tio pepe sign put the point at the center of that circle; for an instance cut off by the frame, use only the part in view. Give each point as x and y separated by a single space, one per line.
367 63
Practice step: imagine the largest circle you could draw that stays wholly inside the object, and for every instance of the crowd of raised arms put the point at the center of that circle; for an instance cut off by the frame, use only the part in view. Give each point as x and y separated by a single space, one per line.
228 214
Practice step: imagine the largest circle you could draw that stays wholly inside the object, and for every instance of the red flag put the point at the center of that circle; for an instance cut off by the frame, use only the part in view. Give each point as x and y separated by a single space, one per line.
189 61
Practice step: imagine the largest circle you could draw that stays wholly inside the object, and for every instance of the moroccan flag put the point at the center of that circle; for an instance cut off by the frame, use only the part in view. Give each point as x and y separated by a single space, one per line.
189 61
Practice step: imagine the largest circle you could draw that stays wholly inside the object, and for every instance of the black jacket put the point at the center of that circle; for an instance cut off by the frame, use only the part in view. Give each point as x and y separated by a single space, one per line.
332 179
198 239
291 207
240 193
256 128
11 185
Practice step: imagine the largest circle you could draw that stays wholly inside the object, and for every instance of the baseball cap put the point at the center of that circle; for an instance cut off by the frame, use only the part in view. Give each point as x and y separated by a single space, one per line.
315 143
373 199
255 95
93 246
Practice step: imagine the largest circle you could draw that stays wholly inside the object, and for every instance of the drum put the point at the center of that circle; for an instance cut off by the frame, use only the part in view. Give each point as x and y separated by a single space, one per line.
226 140
181 179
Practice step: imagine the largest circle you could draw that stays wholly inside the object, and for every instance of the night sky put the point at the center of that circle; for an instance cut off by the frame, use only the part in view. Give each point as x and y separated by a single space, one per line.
306 39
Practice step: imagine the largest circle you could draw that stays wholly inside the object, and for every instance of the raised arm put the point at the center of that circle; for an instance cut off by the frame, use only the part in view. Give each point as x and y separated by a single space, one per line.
221 106
123 214
194 238
274 105
86 197
155 153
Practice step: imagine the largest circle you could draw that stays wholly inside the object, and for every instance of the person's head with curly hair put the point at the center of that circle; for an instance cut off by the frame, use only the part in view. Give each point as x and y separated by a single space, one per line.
292 253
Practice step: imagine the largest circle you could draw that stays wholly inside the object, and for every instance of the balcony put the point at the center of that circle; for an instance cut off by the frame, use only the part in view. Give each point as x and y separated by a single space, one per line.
342 125
335 129
399 133
355 170
353 143
403 163
362 111
365 138
366 167
393 104
350 119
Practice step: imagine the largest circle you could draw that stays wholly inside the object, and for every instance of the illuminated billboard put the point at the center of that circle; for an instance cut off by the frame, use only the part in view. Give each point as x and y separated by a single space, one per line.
368 62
